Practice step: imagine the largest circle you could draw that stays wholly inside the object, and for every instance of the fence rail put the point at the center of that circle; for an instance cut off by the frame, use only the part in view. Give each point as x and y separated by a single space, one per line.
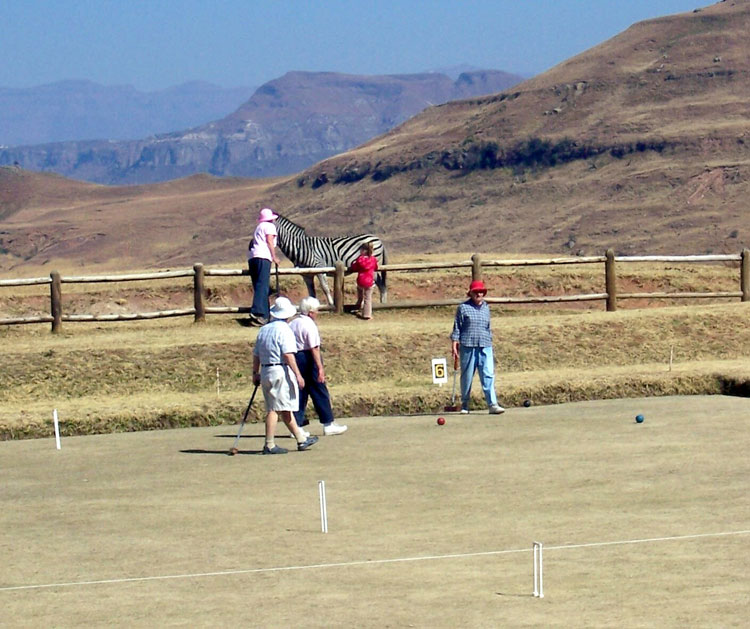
199 273
26 282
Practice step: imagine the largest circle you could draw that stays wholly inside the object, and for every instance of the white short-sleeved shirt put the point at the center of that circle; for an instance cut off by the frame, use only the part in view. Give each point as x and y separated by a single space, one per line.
259 245
306 332
274 340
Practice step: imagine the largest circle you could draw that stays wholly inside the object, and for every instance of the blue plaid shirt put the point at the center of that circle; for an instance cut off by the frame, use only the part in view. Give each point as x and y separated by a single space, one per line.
471 328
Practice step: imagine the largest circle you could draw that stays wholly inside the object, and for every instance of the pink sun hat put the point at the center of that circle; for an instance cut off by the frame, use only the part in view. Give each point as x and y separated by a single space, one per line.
267 214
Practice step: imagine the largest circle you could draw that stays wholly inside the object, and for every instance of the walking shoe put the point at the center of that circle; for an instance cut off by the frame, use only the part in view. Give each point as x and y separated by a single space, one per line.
274 450
307 443
305 434
496 409
333 429
464 411
257 319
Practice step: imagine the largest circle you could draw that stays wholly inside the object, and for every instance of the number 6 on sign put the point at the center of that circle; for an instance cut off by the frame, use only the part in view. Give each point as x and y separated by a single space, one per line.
439 371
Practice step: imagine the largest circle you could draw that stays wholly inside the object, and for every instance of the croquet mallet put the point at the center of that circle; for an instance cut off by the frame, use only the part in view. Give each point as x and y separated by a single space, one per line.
452 407
233 450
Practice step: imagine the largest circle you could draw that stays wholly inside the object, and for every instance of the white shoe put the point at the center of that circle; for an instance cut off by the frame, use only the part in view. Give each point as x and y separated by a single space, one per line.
464 411
496 409
305 434
333 429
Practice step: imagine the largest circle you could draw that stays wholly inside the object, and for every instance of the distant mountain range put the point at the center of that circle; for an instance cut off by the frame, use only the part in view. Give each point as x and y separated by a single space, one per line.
83 110
287 125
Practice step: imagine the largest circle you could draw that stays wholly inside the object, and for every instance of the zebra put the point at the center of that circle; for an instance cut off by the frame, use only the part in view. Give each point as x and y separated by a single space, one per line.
309 252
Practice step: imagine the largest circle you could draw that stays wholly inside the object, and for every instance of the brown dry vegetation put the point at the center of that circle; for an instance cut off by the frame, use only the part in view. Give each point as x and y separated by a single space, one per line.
133 375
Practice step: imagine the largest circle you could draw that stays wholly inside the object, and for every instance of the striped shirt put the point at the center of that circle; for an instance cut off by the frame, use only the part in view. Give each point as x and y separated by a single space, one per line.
471 327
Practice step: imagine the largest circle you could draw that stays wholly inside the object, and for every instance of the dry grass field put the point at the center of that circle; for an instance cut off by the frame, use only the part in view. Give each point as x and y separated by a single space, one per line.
114 376
644 525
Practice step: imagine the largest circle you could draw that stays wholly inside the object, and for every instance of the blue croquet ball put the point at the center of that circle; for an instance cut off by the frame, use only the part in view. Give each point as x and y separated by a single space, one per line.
639 418
527 403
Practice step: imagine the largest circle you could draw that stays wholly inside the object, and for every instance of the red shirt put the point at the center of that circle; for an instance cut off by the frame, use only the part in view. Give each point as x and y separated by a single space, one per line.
365 267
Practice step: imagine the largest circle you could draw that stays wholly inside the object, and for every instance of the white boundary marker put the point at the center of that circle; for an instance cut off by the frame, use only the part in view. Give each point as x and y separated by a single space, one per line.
323 507
365 562
536 550
57 428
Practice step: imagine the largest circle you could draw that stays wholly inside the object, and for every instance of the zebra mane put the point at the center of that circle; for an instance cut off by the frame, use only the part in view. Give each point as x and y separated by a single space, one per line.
292 223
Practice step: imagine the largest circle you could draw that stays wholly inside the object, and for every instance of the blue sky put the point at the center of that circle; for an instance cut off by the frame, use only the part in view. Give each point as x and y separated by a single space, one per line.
154 44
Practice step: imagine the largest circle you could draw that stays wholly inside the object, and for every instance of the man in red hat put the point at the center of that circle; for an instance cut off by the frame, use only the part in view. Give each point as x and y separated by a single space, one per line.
471 341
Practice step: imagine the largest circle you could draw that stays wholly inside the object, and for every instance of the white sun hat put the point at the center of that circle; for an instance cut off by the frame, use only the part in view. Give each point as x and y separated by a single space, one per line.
283 309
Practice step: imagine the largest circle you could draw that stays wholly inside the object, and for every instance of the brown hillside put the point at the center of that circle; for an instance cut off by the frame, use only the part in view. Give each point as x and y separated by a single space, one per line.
638 144
59 223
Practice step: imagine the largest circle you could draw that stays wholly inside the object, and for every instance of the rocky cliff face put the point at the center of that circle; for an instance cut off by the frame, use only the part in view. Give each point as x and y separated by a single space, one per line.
287 125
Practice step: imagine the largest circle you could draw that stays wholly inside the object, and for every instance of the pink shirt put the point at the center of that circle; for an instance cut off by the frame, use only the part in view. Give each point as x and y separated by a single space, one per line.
305 332
365 267
259 245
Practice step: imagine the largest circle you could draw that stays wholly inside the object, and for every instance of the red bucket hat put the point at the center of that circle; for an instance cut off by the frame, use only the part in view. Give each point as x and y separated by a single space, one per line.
477 286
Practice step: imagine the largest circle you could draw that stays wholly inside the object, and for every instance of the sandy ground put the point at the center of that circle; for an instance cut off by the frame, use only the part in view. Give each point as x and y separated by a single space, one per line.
429 526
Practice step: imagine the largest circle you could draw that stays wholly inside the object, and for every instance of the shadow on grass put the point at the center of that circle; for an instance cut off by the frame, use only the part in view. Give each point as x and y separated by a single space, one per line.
247 323
224 452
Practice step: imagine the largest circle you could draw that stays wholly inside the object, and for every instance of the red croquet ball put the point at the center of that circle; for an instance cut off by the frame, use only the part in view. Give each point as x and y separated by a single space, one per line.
441 421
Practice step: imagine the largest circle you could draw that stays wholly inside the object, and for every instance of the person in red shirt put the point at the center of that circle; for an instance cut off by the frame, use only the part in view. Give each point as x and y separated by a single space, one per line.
365 266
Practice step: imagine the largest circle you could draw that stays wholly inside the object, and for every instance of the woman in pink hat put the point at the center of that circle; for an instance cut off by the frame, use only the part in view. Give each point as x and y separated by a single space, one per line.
471 342
262 253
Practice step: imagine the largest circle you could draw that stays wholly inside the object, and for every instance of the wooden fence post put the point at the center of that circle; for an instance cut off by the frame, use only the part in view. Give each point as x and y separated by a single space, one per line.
55 298
610 281
199 294
476 268
338 288
745 275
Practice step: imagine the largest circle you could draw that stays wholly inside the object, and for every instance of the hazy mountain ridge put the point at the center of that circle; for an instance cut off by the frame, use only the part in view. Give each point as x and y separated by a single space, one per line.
84 110
287 124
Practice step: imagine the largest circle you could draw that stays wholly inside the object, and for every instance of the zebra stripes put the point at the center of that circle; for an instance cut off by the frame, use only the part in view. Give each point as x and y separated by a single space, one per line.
310 252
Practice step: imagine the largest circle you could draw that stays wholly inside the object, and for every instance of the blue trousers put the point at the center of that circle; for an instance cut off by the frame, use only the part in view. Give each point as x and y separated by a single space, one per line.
479 359
260 274
318 391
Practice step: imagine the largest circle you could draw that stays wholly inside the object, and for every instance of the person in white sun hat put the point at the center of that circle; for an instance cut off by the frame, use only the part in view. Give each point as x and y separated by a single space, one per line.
276 371
262 252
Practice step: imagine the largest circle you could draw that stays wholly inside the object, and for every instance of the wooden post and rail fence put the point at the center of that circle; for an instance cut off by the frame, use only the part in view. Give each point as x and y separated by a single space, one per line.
199 273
